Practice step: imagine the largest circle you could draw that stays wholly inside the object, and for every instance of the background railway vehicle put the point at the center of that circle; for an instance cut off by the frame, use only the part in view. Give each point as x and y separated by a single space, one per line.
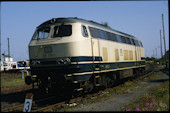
25 64
8 63
14 66
76 54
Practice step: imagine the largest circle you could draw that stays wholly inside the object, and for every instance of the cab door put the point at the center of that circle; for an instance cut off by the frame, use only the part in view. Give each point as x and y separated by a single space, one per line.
95 49
138 53
95 43
135 52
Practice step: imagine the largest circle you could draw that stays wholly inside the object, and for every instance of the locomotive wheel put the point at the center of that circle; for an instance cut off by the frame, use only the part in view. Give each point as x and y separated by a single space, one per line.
106 81
142 71
43 86
88 86
114 79
136 73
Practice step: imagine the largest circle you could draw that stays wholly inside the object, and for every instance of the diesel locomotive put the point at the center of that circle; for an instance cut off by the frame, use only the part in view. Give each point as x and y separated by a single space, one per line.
80 55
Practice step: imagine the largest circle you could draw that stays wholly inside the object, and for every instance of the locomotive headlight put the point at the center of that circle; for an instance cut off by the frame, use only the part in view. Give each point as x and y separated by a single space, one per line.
67 61
38 62
35 63
60 61
64 61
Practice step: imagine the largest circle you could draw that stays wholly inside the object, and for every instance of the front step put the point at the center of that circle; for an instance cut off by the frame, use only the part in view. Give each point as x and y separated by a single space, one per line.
97 76
97 79
80 89
97 84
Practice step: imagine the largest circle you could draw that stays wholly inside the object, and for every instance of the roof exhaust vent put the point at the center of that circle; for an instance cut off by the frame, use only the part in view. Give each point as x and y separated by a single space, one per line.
53 20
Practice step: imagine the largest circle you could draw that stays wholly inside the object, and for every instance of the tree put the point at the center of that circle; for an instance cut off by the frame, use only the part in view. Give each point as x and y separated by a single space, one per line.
106 24
150 59
167 55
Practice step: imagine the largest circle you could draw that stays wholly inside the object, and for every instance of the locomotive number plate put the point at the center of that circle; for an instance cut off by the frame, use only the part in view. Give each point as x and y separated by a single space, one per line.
47 49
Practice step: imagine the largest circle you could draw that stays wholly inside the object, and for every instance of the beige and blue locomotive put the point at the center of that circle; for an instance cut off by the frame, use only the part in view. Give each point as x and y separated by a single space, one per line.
77 54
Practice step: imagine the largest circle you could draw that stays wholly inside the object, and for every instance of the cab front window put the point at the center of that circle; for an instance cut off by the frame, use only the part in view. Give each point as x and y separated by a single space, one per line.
42 33
63 30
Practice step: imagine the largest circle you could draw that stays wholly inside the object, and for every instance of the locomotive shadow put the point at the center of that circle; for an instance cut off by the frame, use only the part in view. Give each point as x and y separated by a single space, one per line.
159 80
16 97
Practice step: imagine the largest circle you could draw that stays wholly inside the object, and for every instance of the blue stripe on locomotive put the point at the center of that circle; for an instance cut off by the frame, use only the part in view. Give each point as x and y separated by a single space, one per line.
85 58
83 69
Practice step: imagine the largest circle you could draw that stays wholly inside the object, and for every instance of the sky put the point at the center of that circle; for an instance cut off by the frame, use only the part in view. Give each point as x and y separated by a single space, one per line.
142 19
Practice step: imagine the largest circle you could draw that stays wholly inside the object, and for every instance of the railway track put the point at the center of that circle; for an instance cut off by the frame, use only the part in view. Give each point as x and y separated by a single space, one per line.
21 106
15 90
39 105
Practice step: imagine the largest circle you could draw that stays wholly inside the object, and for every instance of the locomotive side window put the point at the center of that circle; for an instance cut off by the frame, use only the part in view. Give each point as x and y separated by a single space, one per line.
109 36
98 33
127 40
63 30
102 34
113 37
136 43
94 32
42 33
133 42
123 39
141 44
85 34
118 38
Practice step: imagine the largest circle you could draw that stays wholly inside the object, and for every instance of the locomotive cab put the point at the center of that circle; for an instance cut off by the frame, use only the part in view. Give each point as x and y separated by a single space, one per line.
54 51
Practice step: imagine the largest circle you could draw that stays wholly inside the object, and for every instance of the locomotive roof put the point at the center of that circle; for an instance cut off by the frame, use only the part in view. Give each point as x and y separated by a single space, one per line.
75 19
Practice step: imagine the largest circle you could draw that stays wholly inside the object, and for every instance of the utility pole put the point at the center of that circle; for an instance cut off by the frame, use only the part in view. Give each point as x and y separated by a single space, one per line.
8 51
164 35
0 32
153 54
156 53
161 43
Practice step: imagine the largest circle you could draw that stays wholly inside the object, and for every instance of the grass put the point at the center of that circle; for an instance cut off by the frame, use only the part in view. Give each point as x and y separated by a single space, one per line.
155 100
155 76
12 81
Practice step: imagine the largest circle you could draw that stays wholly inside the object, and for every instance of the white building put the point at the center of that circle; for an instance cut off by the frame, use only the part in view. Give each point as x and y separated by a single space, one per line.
8 59
8 63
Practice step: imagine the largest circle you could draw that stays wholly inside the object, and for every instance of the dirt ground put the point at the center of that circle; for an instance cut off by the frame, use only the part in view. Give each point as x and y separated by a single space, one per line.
119 101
